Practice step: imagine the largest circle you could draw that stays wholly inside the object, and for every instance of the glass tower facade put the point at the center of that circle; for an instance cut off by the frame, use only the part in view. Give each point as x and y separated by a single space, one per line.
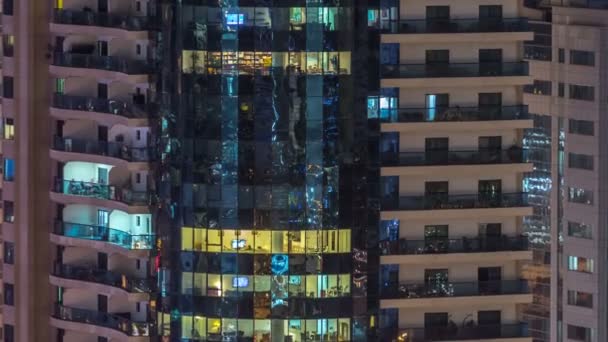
264 173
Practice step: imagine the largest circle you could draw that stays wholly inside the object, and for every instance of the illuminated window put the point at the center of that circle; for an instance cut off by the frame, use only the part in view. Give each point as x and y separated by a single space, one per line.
9 129
580 264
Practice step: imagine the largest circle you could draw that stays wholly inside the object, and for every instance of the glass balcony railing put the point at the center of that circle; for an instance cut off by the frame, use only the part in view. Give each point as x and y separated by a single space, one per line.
458 332
462 245
103 148
455 70
95 104
115 321
101 191
109 63
476 25
488 113
450 289
513 155
445 201
90 18
104 277
100 233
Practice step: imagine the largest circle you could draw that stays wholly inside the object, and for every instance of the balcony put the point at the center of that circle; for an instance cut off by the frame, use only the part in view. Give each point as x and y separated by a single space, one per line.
102 192
450 289
455 74
445 201
514 155
123 111
463 333
102 319
103 277
103 148
88 62
454 207
451 246
455 70
117 237
458 114
456 118
466 250
478 25
109 20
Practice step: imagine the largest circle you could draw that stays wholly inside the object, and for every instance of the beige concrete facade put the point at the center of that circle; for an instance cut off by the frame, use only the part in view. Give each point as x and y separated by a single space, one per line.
457 293
578 309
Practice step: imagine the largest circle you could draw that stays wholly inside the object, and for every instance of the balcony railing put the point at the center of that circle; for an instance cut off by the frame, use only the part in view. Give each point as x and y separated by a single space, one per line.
95 104
445 201
458 114
460 25
101 191
109 63
100 233
90 18
511 156
103 319
455 70
104 277
455 332
462 245
450 289
103 148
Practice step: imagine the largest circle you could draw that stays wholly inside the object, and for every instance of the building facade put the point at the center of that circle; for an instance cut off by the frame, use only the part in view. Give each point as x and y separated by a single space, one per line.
453 165
262 174
568 88
101 157
302 170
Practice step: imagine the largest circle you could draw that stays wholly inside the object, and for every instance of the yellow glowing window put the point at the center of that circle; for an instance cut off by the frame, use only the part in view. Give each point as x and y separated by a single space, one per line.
9 129
266 241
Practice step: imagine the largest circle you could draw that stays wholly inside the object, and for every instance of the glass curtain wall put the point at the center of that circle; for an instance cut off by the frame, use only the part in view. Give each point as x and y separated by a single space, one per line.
263 148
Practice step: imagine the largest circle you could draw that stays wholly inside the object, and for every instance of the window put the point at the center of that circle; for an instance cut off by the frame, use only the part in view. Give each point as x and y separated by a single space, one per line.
561 89
539 87
577 333
561 55
8 43
579 230
138 49
578 195
7 87
9 330
7 9
9 170
437 12
9 295
582 127
579 298
578 57
9 129
9 253
9 214
579 92
580 161
580 264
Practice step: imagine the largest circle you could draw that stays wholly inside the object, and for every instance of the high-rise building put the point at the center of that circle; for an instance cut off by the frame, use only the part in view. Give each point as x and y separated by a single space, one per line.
262 221
569 91
100 70
302 170
453 165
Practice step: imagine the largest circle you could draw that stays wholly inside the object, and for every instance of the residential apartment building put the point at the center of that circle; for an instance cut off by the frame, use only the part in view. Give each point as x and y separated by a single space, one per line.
453 166
569 88
102 155
265 170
